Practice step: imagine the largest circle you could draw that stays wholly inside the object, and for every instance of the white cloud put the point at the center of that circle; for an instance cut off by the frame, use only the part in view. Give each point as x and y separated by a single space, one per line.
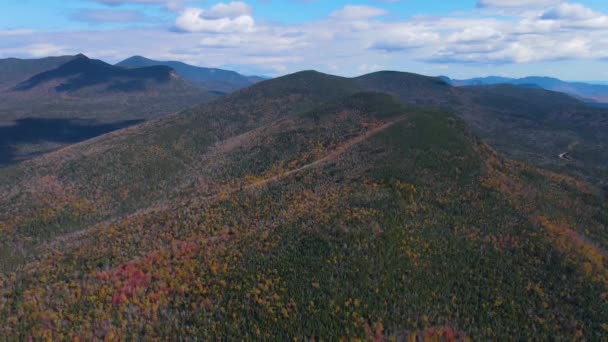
170 4
173 5
123 2
232 17
400 37
570 11
44 50
352 12
233 9
516 3
475 34
16 32
348 41
574 16
108 16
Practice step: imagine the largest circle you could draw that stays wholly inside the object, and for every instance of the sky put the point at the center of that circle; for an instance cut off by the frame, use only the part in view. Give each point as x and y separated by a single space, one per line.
457 38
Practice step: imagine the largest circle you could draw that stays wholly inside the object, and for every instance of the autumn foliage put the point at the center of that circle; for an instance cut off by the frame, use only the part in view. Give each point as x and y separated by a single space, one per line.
260 218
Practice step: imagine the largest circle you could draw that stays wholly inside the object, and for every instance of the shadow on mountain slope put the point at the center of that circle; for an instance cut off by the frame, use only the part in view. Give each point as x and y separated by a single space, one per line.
84 72
37 130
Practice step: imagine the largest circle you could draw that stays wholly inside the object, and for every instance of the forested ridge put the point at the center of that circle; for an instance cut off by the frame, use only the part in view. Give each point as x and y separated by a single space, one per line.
309 206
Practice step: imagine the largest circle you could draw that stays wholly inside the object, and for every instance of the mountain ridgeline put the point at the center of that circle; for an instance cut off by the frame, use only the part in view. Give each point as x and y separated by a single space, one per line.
584 91
213 79
84 72
80 98
314 206
14 70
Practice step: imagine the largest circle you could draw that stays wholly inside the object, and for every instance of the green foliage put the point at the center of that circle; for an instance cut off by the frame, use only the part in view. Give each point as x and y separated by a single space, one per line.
300 213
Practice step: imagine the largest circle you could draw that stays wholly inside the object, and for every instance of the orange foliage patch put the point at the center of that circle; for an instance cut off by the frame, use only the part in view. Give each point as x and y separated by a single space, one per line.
578 248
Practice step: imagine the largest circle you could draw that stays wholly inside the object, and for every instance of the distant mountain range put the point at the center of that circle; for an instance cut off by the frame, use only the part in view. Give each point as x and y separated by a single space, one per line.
75 73
15 70
48 103
82 72
208 78
503 111
584 91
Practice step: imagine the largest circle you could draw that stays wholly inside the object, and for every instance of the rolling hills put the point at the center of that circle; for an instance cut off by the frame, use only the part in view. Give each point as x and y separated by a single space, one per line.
14 70
524 123
75 98
537 126
310 206
584 91
82 72
212 79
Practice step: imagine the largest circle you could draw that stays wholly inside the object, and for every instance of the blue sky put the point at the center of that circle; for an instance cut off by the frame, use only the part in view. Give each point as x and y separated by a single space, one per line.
459 38
53 14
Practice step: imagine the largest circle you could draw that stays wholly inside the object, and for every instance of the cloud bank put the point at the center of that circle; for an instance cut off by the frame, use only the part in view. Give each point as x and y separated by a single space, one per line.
349 40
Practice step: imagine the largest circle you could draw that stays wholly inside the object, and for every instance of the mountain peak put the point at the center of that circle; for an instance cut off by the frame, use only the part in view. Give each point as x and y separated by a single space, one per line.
212 79
136 58
82 72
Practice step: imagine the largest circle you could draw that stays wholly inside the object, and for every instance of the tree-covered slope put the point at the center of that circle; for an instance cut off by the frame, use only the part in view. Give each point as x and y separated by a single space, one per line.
411 89
82 98
301 207
544 128
133 168
15 70
537 126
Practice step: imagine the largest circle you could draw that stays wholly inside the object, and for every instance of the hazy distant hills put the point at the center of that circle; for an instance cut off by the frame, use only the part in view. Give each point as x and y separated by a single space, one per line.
82 72
14 70
312 205
52 102
536 126
523 121
208 78
585 91
49 103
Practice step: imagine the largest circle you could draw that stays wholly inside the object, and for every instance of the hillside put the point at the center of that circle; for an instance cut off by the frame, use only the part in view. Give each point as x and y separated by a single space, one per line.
304 206
212 79
14 70
83 98
544 128
584 91
525 123
82 73
411 89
